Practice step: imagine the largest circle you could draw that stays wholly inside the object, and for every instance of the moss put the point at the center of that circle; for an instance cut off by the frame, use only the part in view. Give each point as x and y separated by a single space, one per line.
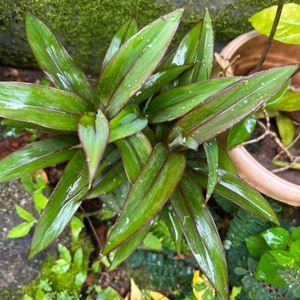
85 27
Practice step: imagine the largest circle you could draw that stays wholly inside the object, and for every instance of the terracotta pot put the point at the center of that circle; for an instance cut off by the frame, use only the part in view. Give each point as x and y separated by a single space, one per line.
249 46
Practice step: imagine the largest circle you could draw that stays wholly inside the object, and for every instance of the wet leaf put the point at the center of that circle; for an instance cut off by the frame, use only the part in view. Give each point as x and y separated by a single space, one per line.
256 246
201 233
237 191
125 32
41 105
147 196
211 151
229 106
241 132
286 128
62 205
138 57
54 59
176 102
276 238
126 123
35 156
93 132
288 26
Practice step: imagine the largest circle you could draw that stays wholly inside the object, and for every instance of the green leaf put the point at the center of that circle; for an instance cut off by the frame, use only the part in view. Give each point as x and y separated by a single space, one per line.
288 27
126 123
76 227
286 128
54 59
125 250
211 151
237 191
289 102
225 162
61 266
20 230
155 184
80 277
201 233
152 242
178 101
40 201
65 253
197 47
78 258
108 294
157 81
124 33
241 132
256 245
95 266
107 183
295 234
295 248
138 57
135 151
62 205
169 217
93 133
284 258
276 238
35 156
24 214
41 105
229 106
267 270
272 102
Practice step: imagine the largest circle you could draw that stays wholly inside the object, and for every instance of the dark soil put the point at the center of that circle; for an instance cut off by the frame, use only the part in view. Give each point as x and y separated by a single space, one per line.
265 150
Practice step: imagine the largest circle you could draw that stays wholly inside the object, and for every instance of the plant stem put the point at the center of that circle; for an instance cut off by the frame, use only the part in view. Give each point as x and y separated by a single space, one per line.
270 38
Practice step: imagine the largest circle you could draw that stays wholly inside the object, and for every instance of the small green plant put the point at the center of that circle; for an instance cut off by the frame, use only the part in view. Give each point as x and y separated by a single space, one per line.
142 139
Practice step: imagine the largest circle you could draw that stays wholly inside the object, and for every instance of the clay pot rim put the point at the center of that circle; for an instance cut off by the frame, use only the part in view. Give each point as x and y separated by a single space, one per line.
247 166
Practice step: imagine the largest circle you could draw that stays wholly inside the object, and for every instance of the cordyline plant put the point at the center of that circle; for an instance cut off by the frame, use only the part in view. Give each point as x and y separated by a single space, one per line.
143 139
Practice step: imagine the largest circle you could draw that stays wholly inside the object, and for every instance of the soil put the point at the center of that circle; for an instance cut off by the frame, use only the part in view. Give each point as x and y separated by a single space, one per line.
264 151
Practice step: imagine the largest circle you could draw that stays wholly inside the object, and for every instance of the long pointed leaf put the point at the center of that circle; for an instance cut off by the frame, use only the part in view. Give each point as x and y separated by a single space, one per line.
41 105
125 32
62 205
135 152
234 189
201 233
211 151
176 102
150 192
54 59
229 106
36 156
127 122
93 132
132 65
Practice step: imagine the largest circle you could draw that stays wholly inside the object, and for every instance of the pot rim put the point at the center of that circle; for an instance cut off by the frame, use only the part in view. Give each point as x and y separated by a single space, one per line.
246 165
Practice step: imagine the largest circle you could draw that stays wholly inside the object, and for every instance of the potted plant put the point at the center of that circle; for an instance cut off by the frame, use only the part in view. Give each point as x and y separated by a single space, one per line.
246 51
144 135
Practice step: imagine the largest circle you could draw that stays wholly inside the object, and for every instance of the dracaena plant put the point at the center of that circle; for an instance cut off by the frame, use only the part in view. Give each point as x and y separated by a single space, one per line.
142 139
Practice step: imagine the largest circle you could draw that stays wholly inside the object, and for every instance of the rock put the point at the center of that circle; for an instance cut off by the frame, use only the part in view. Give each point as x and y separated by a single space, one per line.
85 27
16 270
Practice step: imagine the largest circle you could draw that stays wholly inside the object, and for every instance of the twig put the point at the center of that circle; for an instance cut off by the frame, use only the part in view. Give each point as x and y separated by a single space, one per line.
287 167
270 38
99 244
